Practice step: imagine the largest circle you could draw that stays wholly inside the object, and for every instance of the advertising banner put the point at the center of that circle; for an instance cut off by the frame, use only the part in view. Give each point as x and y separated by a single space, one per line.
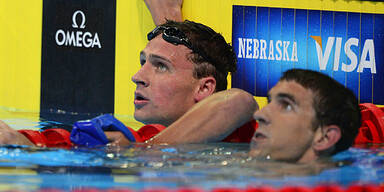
347 46
78 56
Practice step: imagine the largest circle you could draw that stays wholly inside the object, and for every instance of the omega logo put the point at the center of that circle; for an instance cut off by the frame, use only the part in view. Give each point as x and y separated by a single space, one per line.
77 38
74 25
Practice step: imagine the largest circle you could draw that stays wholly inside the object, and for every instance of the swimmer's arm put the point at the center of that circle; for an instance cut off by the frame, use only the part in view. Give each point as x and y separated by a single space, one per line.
11 136
210 120
162 10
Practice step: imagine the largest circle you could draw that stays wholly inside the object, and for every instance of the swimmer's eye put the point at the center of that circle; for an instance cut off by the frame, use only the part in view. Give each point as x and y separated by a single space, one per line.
286 105
142 59
269 99
142 62
161 67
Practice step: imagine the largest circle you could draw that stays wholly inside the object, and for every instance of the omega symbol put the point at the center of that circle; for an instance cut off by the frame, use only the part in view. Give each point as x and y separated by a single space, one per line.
74 24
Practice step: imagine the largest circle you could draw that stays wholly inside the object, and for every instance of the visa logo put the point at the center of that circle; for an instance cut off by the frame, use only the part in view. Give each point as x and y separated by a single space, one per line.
367 58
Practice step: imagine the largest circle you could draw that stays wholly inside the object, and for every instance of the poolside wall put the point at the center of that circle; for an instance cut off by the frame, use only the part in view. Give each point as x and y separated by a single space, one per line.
39 73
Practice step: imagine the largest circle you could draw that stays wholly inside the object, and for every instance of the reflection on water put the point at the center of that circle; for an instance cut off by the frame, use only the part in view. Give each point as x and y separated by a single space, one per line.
200 165
204 165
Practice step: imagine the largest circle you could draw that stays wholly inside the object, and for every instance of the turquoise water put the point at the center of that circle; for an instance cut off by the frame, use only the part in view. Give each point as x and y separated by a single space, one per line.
203 166
206 166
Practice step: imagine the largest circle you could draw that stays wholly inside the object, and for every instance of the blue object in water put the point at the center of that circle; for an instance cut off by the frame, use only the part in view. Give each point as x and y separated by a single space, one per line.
90 133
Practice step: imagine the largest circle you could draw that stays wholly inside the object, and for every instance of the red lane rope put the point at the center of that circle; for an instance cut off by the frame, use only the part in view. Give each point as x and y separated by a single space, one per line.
372 128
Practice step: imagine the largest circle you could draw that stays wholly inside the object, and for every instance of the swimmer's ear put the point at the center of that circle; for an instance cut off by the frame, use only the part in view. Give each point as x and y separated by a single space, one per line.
326 138
207 86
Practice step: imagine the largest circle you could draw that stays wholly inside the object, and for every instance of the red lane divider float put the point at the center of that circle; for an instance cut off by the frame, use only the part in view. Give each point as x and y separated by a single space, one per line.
372 128
321 188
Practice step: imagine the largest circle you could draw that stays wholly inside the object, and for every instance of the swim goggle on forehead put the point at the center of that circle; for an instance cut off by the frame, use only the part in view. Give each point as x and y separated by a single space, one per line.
177 37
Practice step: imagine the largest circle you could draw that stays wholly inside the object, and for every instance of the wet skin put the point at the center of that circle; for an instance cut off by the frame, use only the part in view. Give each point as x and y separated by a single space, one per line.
165 86
286 129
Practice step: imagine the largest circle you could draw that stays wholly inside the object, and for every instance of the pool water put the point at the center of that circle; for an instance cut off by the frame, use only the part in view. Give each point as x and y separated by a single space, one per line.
206 166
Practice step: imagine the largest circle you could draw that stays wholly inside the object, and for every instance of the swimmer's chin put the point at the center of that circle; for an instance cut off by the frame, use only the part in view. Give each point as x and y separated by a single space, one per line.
146 120
254 153
141 118
259 154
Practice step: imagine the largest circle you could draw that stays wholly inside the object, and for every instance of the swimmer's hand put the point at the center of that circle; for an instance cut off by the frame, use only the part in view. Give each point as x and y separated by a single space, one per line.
163 10
11 136
117 138
144 134
90 133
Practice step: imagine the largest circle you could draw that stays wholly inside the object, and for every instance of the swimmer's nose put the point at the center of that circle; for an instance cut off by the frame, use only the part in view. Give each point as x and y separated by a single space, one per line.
261 117
139 78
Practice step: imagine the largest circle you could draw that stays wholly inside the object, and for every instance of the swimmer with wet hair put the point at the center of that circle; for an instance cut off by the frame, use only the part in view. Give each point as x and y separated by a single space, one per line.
182 86
308 116
183 64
